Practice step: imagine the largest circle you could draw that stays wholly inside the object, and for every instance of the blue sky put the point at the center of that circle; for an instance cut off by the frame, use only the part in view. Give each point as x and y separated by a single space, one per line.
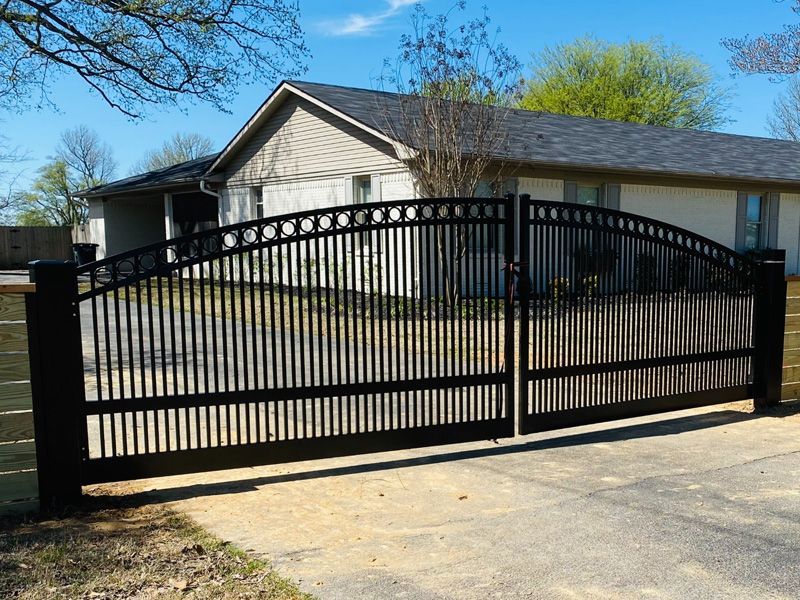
349 40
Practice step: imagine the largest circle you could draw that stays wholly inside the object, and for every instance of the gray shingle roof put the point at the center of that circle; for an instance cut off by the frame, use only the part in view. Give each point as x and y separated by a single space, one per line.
556 141
582 142
187 172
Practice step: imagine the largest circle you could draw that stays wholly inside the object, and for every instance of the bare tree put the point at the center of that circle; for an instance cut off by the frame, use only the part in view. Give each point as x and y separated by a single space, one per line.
784 123
179 148
135 54
456 85
89 160
81 161
775 54
8 155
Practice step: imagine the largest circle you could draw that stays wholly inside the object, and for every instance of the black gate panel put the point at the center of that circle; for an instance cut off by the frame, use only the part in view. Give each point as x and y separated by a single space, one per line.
336 331
623 316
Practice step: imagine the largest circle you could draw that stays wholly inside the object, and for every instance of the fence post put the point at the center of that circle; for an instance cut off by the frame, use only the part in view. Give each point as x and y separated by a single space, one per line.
770 318
56 380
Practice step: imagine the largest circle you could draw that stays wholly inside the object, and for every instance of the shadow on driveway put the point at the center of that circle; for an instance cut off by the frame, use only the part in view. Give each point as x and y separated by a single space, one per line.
659 428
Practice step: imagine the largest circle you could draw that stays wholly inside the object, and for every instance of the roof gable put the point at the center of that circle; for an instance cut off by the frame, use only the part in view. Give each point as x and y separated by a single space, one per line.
270 105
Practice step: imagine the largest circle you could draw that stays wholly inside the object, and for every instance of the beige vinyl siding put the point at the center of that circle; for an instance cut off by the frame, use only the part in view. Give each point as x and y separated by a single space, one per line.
302 140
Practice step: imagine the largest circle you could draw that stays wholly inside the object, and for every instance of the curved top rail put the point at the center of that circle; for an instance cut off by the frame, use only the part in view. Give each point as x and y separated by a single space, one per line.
617 222
163 257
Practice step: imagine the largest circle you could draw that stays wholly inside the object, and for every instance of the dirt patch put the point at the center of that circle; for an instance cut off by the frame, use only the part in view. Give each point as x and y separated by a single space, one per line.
116 552
788 409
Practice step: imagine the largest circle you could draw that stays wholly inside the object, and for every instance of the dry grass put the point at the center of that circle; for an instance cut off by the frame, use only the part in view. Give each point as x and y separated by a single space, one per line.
129 552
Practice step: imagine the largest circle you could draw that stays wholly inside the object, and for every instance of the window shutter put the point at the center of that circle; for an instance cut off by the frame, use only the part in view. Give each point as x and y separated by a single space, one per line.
612 195
772 220
375 182
571 192
741 219
348 190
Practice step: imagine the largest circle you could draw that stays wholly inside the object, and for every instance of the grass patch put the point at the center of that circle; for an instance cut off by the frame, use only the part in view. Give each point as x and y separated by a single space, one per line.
129 552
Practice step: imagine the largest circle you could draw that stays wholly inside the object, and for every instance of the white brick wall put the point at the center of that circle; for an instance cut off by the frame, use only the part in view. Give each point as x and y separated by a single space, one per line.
542 189
97 226
294 196
397 186
282 198
711 213
234 205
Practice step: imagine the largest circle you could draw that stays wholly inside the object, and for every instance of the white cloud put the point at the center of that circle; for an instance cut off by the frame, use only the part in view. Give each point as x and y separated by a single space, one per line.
359 24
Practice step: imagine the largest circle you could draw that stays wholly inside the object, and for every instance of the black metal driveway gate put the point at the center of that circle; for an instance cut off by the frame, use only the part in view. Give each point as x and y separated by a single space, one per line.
387 325
624 315
330 332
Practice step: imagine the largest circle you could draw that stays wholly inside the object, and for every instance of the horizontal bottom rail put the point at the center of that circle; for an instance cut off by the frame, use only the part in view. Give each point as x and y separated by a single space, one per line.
103 470
127 405
532 423
631 365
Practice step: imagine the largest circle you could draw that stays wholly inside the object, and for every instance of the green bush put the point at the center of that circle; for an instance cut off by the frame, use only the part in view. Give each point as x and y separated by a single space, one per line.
558 289
590 285
681 270
645 273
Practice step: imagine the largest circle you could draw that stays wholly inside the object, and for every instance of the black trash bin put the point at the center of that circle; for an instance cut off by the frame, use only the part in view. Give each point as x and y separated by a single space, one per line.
84 253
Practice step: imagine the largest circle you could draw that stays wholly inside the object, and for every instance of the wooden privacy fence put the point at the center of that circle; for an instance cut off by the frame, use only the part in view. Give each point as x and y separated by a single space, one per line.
18 476
20 245
791 340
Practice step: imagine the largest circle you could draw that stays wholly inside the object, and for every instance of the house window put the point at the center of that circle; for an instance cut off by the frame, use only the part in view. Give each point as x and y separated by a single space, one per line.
363 189
257 197
593 193
362 194
754 222
485 238
589 195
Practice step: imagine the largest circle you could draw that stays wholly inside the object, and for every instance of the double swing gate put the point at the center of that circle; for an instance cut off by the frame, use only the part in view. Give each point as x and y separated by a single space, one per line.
388 325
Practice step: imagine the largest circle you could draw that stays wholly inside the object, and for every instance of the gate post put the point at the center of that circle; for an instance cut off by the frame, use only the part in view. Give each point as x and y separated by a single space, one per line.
56 380
524 304
770 318
508 351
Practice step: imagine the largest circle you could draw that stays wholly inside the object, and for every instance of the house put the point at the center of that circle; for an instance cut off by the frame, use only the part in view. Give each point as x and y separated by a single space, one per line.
311 145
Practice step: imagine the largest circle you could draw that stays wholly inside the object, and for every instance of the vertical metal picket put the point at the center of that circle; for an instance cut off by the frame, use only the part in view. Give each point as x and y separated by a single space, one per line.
510 366
524 271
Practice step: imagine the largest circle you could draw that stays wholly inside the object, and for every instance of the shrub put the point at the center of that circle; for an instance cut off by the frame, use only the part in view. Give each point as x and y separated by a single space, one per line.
681 269
590 285
645 273
558 289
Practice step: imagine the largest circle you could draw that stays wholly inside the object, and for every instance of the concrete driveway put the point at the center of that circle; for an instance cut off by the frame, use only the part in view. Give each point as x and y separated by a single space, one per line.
696 504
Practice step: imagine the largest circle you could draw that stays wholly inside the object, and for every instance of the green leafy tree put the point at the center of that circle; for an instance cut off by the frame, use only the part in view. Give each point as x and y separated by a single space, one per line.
50 200
140 53
179 148
644 82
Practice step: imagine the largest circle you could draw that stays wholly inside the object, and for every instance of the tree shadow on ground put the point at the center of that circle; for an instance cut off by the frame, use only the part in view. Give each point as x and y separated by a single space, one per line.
662 427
